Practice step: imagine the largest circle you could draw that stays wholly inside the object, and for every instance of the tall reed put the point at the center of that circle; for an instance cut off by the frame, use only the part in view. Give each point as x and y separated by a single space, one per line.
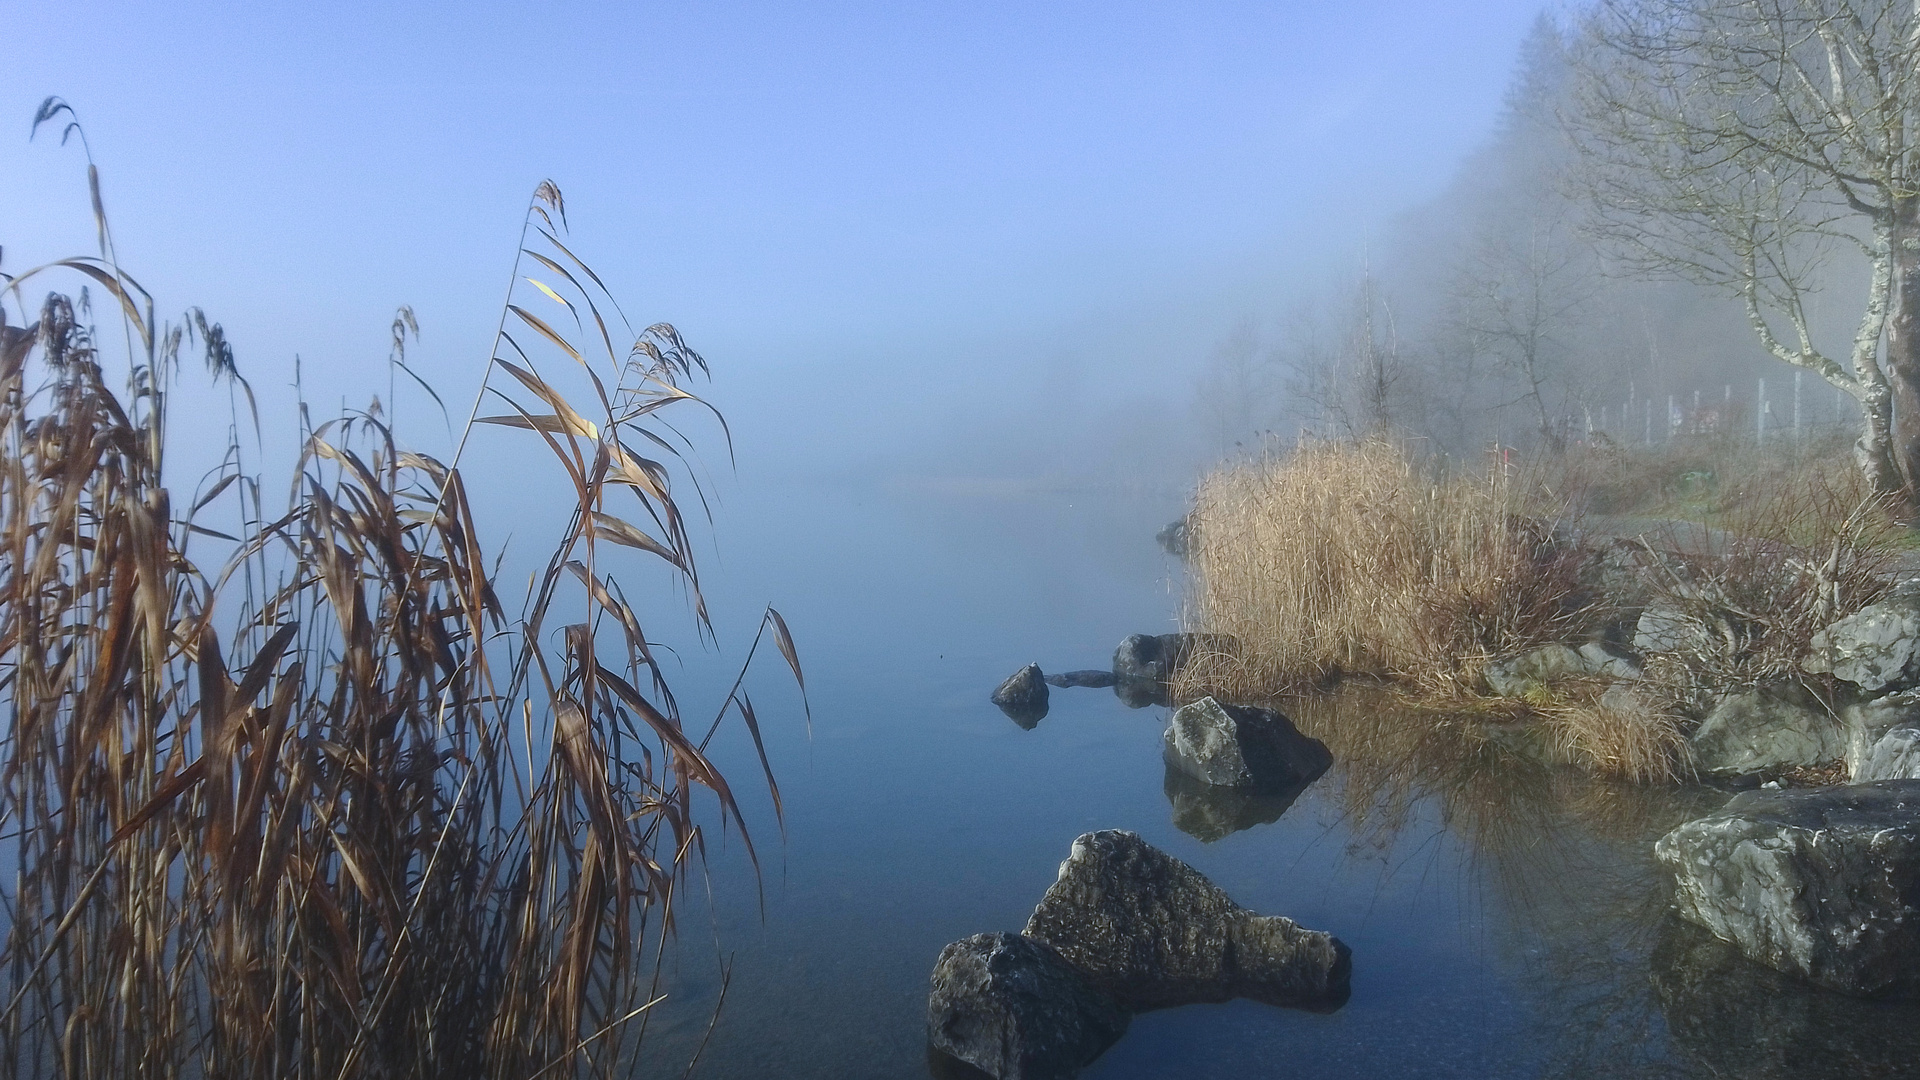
325 809
1348 558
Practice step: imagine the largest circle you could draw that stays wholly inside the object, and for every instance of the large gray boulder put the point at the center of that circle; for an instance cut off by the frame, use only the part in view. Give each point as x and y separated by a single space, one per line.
1154 932
1763 729
1013 1008
1876 648
1663 628
1818 882
1867 722
1242 746
1895 757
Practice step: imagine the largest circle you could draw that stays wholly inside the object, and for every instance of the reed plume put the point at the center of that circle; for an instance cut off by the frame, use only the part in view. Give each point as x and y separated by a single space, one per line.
319 807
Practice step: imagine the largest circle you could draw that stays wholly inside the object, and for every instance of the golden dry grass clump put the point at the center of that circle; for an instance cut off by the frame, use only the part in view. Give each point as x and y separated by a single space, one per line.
322 808
1338 558
1637 745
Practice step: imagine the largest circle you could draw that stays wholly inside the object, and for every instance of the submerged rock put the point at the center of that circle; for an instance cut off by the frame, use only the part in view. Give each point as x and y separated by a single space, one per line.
1875 648
1093 677
1895 757
1154 932
1014 1009
1819 882
1242 746
1209 813
1023 697
1764 729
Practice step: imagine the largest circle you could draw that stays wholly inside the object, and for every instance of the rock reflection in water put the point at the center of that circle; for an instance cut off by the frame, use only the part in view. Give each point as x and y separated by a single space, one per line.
1209 813
944 1066
1027 716
1140 693
1729 1016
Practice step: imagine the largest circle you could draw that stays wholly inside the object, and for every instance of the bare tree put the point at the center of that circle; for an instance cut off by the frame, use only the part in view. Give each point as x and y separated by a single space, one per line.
1743 143
1233 395
1374 356
1349 382
1521 293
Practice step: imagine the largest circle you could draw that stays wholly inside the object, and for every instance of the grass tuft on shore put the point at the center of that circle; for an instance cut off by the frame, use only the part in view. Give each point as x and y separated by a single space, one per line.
1336 558
1342 559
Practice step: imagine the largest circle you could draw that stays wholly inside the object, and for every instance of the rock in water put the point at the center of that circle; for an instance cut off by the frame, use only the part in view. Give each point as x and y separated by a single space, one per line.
1154 932
1173 538
1138 657
1766 728
1819 882
1876 648
1093 677
1023 697
1160 656
1014 1009
1241 746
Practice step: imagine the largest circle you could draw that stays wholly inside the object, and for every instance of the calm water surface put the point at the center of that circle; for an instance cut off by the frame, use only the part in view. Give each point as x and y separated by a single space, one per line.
1505 920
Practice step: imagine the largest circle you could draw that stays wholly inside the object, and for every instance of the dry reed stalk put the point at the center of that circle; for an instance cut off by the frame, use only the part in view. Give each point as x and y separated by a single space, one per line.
1340 558
327 812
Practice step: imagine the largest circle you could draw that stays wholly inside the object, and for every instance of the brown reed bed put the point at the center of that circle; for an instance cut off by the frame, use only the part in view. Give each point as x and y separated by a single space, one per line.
1341 559
1337 559
323 808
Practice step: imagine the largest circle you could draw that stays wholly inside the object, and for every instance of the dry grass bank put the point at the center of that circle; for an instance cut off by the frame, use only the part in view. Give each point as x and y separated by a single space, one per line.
1343 559
320 807
1350 559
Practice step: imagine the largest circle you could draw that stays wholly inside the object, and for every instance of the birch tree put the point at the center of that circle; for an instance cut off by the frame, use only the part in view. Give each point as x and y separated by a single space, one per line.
1743 144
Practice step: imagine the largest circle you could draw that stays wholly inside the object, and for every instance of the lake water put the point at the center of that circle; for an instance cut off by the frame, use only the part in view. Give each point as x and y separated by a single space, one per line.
1505 919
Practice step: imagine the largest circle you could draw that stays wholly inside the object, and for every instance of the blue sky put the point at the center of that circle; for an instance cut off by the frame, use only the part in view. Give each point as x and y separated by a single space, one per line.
882 222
